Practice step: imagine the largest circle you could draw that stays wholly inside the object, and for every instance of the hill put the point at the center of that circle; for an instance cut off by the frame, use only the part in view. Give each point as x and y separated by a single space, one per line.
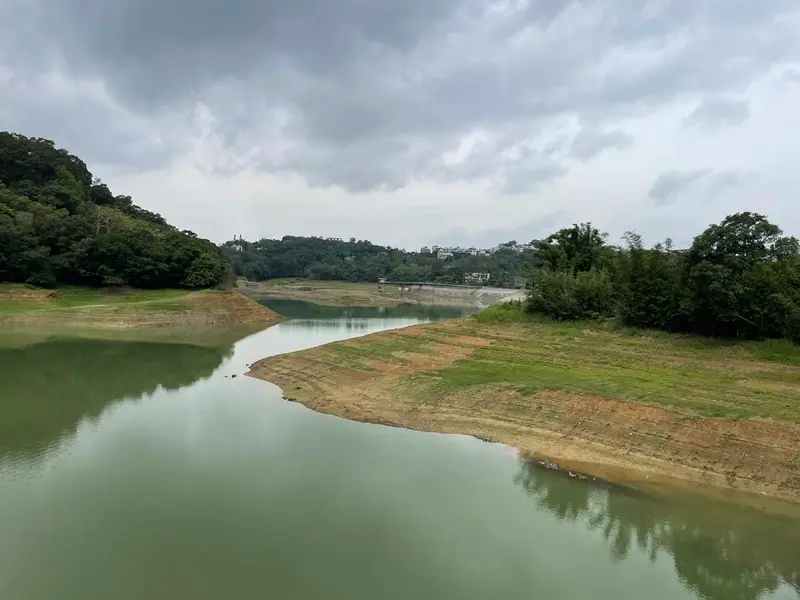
61 225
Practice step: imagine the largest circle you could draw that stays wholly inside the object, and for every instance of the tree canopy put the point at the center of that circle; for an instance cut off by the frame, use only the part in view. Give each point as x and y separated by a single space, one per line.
333 259
739 279
61 225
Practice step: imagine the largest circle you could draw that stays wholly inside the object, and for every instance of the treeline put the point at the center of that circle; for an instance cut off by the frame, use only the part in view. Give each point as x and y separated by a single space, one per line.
332 259
739 279
61 225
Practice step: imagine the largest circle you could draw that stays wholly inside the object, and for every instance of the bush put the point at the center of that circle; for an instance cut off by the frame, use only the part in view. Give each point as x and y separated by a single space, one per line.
566 297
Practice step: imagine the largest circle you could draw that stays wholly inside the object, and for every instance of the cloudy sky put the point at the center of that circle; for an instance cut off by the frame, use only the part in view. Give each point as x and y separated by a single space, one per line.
411 122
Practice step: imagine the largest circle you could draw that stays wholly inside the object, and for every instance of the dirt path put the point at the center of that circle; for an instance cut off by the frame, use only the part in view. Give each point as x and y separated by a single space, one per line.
485 381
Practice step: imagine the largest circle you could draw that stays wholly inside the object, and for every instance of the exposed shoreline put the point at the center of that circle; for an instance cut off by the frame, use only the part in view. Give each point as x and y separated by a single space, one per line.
396 378
341 293
182 310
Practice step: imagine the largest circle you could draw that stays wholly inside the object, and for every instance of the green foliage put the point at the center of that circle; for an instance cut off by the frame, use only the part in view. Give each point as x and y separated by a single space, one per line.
567 297
337 260
576 249
740 279
505 312
59 225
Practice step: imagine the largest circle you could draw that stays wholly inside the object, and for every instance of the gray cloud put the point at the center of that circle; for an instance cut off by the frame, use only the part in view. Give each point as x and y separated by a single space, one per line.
370 95
713 113
533 229
670 185
791 76
589 143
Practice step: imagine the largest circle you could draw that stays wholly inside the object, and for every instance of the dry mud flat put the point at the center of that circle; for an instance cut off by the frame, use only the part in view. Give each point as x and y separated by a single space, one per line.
612 405
192 309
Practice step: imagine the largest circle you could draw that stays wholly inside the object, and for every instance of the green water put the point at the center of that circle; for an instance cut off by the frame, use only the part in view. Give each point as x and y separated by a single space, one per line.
143 470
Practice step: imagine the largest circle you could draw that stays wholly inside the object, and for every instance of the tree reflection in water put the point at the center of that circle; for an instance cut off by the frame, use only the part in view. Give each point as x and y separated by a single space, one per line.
721 551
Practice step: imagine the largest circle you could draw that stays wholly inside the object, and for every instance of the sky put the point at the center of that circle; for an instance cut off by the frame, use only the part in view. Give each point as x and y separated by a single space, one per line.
414 122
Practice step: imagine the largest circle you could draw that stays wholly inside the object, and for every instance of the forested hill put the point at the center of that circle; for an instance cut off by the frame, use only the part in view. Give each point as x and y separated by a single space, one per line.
61 225
333 259
738 279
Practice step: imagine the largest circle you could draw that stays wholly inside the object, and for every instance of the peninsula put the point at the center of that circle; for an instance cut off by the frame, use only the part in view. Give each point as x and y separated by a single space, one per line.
621 404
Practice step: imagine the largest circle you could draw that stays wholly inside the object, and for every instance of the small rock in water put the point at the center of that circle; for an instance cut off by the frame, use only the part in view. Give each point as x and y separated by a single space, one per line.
233 376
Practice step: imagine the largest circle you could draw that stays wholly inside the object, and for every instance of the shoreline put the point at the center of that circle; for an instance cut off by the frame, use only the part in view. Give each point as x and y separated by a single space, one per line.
395 378
111 311
371 295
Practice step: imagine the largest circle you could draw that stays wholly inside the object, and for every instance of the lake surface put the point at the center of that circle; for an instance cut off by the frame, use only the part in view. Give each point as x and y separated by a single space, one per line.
141 469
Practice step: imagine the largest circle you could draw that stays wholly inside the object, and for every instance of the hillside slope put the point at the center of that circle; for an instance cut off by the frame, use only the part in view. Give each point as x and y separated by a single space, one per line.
61 225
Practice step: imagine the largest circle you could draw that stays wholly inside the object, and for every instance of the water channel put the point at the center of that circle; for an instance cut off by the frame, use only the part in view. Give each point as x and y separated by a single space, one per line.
142 469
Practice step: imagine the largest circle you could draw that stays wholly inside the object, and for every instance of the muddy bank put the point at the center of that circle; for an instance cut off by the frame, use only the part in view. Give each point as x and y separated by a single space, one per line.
338 293
439 378
193 309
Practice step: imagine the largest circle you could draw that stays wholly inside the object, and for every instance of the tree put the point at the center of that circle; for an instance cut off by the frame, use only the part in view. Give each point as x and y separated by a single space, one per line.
59 224
579 248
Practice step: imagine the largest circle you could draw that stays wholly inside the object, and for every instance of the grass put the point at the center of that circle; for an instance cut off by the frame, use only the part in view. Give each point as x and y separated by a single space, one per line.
699 376
21 298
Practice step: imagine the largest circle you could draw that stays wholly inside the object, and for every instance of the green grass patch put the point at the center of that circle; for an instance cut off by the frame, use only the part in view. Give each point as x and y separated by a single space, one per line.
21 298
717 379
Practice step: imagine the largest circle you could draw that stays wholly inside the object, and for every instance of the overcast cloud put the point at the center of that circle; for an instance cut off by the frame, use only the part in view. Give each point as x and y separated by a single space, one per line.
406 122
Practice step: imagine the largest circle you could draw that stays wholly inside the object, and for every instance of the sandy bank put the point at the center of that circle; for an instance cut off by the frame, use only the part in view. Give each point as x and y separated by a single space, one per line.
609 405
192 309
341 293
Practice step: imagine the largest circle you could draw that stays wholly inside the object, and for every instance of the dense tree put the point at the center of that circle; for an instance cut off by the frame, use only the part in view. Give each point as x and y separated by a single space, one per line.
320 258
739 279
60 225
576 249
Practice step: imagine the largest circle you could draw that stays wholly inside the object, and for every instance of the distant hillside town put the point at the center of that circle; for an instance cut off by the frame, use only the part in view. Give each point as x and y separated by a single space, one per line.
445 252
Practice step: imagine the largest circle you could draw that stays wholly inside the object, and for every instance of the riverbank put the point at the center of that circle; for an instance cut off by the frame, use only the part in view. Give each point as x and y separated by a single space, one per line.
620 405
115 309
345 293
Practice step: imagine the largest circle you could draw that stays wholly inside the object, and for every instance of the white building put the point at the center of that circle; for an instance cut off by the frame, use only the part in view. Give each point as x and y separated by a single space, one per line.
442 254
481 278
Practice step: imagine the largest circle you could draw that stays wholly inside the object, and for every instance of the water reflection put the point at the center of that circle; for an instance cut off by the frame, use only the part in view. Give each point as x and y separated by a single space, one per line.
296 309
49 387
719 551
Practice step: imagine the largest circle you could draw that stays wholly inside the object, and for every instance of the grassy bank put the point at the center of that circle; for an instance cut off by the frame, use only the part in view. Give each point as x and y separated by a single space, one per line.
81 307
697 409
20 298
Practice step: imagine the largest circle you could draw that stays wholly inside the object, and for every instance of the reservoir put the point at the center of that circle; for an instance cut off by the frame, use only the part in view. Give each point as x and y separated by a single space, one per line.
137 467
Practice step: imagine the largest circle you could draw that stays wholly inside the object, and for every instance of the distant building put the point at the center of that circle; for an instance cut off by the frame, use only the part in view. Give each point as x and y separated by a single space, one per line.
382 280
237 247
481 278
424 250
442 254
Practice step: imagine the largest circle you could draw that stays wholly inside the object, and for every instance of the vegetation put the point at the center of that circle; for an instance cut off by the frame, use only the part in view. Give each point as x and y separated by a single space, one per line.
693 374
739 279
61 225
356 261
23 298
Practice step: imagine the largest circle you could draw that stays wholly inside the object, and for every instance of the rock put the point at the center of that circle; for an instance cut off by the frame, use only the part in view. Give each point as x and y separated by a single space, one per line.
233 376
